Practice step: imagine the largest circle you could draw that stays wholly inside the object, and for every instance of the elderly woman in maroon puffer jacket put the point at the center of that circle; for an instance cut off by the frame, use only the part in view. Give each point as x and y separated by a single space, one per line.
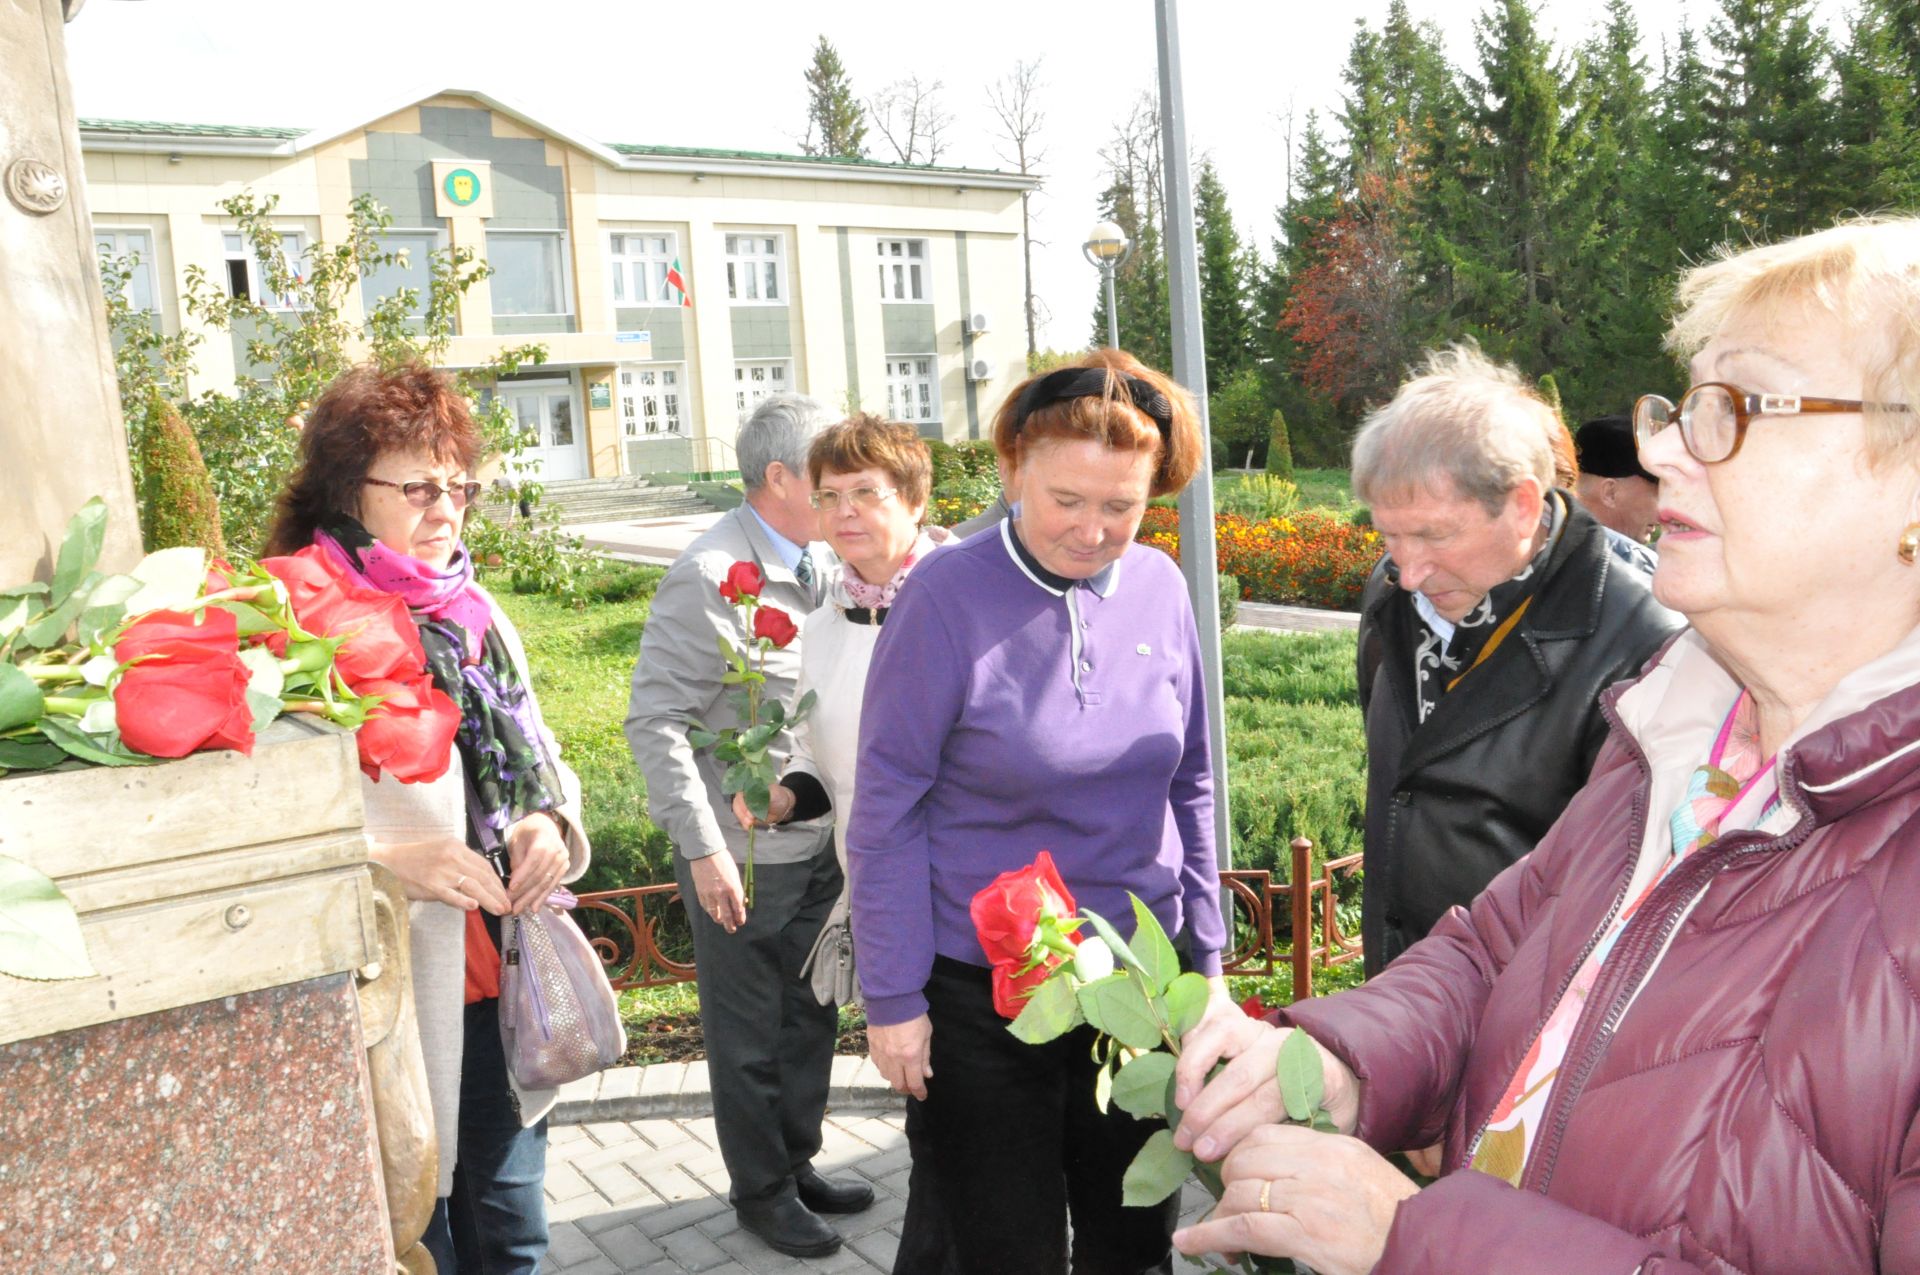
1683 1034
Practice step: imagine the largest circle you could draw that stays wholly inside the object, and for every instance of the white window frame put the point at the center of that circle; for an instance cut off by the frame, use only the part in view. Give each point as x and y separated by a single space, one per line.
439 237
906 376
146 265
670 409
902 272
777 379
621 264
759 260
256 278
561 264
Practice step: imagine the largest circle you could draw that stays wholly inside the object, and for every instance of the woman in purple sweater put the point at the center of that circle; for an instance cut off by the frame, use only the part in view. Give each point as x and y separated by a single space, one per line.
1037 687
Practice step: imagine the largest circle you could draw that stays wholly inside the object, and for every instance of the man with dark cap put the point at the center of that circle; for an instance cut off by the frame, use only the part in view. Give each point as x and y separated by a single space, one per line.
1622 497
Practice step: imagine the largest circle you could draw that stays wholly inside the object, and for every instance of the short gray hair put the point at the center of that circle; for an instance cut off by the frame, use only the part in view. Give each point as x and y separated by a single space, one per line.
1463 418
780 429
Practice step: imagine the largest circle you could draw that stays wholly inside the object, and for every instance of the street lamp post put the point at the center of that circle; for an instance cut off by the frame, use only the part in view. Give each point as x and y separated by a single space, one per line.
1108 247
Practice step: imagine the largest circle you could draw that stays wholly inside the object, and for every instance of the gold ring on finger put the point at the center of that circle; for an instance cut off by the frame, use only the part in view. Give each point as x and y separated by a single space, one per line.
462 881
1266 1194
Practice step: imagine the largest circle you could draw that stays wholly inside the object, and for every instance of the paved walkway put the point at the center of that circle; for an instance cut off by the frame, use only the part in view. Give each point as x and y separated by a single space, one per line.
635 1185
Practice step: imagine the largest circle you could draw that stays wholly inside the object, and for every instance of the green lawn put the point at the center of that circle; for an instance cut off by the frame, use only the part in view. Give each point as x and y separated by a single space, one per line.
1295 756
1319 488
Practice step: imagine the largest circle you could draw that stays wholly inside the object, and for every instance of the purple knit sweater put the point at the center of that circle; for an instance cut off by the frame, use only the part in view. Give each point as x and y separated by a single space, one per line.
990 734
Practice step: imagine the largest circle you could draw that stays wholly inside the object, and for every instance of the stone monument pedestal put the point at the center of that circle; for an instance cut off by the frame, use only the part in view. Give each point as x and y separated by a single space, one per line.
202 1103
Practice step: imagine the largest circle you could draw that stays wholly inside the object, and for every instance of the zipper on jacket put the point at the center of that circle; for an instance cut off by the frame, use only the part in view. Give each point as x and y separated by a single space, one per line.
1637 821
1636 965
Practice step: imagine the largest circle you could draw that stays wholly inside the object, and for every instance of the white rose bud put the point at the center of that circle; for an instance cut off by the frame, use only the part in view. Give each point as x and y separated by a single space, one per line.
1094 960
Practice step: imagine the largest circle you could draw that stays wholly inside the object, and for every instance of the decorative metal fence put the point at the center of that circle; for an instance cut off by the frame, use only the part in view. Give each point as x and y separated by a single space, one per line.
638 931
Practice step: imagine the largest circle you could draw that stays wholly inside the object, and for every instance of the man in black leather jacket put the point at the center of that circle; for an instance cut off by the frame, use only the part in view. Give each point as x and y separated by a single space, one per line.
1487 634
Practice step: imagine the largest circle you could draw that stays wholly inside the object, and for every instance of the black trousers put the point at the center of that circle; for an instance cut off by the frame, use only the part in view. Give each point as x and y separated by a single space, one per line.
1013 1146
769 1042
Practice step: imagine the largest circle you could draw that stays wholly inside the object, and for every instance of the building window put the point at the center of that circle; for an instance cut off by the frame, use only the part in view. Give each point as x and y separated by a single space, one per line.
247 281
529 276
913 388
754 379
756 269
131 250
903 270
640 265
650 401
413 268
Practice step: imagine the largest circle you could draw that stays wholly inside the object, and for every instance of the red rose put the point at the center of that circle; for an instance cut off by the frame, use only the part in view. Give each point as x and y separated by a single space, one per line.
1253 1006
409 735
775 625
743 580
189 690
384 644
1011 990
1006 911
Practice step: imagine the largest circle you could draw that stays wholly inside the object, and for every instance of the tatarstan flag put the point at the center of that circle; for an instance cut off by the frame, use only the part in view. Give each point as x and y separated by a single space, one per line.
678 282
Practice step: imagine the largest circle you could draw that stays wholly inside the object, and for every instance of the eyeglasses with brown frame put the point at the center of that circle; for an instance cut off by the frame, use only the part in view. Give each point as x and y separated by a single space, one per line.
422 494
1713 416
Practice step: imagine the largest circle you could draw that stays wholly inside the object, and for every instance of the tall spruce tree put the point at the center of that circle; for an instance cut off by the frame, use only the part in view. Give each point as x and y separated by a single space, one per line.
1877 110
1776 133
1225 318
836 121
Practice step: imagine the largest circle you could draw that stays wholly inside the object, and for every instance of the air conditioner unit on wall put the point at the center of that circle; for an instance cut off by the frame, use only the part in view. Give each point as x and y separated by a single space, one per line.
979 369
975 322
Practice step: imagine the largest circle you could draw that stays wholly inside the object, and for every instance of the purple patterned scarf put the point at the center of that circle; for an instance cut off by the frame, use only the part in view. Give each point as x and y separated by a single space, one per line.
876 596
509 770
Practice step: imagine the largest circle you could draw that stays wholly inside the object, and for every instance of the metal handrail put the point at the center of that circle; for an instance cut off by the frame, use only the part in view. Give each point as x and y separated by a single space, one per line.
641 934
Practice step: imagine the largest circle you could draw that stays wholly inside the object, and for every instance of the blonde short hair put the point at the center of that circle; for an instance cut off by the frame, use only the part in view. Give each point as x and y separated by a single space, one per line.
1465 419
1865 272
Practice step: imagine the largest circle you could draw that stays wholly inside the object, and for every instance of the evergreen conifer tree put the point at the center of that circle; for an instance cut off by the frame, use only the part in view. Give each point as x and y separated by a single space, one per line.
177 504
836 122
1225 319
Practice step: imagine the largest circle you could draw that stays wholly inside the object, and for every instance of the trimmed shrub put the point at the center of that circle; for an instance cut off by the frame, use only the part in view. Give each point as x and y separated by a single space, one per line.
1279 447
177 504
1229 600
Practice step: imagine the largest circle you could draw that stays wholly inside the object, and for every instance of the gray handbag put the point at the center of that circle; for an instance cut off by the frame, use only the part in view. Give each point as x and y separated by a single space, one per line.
829 965
559 1018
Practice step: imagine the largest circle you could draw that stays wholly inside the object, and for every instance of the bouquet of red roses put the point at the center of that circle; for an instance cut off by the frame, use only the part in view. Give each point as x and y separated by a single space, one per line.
745 750
186 654
1050 979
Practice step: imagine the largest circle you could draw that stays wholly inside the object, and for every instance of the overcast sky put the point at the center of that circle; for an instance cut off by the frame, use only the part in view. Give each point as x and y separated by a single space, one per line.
728 75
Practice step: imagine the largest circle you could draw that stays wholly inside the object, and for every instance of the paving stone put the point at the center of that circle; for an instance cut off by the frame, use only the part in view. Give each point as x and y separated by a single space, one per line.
599 1264
671 1183
693 1251
563 1181
878 1248
752 1252
617 1183
566 1244
886 1210
612 1133
662 1080
879 1166
677 1216
896 1182
701 1128
628 1246
618 1085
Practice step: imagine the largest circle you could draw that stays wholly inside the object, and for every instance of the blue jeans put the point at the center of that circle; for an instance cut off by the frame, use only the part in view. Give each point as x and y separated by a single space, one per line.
495 1222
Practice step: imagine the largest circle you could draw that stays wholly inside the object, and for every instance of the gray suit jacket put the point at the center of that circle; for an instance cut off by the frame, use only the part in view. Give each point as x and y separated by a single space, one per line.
677 680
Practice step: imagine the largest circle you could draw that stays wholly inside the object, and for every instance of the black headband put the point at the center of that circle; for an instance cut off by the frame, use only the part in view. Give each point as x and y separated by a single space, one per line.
1086 382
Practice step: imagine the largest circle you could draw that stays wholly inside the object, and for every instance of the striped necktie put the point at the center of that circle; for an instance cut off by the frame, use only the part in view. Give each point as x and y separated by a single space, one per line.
803 570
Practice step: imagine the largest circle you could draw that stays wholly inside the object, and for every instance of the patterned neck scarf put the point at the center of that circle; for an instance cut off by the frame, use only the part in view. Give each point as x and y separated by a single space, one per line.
1440 663
875 596
1734 786
509 771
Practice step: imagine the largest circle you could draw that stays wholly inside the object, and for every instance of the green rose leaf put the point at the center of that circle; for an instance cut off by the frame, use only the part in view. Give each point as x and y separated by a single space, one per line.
1158 961
732 656
1122 950
702 738
28 754
1156 1172
805 706
251 619
1117 1006
264 709
1187 1002
101 751
758 796
1298 1071
756 739
51 627
106 606
20 698
727 750
736 779
14 613
170 579
39 930
1051 1012
79 550
734 678
1103 1089
1141 1086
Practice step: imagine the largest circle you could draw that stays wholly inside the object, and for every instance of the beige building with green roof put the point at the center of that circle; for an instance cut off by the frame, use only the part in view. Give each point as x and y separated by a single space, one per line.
673 288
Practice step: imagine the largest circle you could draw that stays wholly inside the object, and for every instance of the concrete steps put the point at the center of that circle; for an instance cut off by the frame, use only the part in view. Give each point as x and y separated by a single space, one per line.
615 500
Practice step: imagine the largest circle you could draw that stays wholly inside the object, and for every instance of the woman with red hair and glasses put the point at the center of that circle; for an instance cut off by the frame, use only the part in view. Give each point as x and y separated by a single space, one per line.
1036 687
384 482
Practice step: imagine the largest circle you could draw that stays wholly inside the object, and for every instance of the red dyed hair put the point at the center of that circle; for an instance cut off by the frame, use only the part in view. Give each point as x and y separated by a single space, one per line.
363 415
1110 419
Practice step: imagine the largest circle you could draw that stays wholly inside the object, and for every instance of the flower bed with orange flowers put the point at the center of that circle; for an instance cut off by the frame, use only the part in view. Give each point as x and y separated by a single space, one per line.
1310 558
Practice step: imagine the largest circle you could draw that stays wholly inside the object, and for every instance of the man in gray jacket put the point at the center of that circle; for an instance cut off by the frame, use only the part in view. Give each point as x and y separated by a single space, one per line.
769 1041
